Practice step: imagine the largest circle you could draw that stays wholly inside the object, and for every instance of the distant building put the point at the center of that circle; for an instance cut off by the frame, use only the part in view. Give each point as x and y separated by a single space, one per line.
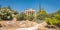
30 12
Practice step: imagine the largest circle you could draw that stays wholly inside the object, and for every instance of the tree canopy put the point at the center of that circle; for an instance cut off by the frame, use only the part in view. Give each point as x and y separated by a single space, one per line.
6 13
41 14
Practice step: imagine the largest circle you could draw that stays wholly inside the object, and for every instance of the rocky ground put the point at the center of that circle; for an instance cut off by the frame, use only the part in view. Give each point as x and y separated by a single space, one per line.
23 25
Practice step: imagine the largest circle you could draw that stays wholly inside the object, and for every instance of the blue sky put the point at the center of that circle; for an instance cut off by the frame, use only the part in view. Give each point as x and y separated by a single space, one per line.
21 5
50 5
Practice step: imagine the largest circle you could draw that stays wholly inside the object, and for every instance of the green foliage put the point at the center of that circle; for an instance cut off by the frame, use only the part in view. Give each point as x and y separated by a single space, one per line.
57 16
22 16
51 21
53 18
31 17
41 14
9 7
7 13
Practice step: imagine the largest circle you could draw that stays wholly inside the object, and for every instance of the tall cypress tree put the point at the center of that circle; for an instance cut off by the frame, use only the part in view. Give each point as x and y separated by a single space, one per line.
41 14
9 7
0 7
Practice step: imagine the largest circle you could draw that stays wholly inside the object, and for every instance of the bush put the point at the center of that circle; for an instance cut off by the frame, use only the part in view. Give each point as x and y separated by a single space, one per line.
7 13
51 21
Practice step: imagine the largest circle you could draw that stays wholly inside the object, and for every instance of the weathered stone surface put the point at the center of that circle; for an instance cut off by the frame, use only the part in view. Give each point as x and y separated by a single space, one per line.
23 25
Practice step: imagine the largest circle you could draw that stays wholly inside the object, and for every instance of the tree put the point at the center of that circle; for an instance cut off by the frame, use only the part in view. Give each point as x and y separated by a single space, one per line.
57 16
0 7
9 7
51 21
30 17
54 18
7 14
22 16
41 14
